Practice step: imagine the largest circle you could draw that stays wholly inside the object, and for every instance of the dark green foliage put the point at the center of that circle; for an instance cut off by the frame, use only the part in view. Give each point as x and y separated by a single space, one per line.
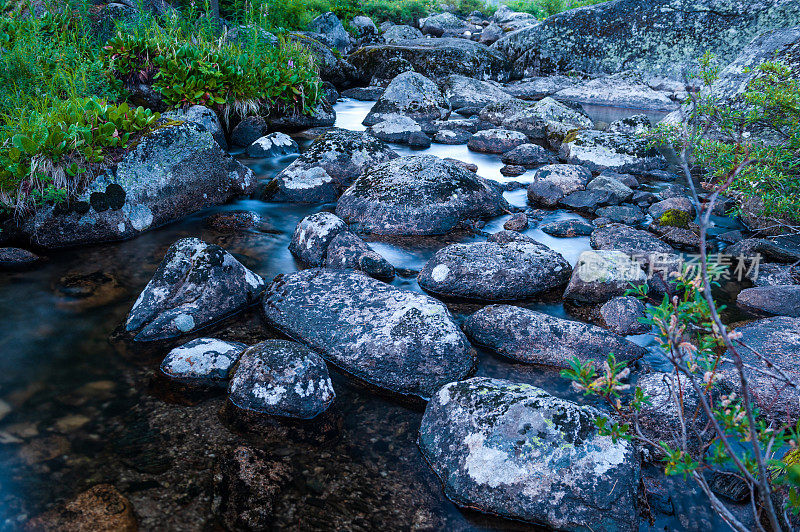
547 8
675 218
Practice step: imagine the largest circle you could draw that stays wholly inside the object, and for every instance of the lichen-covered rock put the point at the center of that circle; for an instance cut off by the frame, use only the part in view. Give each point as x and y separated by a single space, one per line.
331 68
536 88
621 315
496 140
328 166
204 116
17 258
601 275
630 35
443 24
554 181
529 156
680 204
281 378
418 195
660 419
401 32
491 34
616 91
312 236
452 136
567 228
600 150
202 362
618 190
623 214
412 95
195 285
496 112
631 125
640 244
435 58
172 172
547 119
395 128
466 91
493 271
272 145
348 251
398 341
536 338
514 450
332 28
777 340
774 300
772 274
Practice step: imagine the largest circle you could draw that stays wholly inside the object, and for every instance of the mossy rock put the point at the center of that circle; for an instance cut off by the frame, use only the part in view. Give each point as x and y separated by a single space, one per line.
675 218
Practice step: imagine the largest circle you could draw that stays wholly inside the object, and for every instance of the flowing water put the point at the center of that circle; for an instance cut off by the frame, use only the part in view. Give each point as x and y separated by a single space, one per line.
78 409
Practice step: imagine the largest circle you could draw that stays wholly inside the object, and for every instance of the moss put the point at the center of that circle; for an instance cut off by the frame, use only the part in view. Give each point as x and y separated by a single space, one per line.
675 218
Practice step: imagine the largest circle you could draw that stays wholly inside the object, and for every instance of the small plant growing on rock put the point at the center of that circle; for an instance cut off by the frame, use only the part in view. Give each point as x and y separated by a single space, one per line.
675 218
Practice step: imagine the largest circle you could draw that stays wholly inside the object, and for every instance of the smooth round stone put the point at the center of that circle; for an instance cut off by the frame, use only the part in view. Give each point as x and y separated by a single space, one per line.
203 361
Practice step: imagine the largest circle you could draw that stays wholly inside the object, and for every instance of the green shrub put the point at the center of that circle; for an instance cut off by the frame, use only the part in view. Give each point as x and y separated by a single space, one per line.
547 8
465 7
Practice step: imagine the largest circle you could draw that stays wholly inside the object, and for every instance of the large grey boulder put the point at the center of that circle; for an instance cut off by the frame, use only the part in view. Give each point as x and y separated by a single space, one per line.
283 379
554 181
435 58
348 251
536 338
396 128
536 88
618 152
195 285
328 166
621 315
512 450
172 172
601 275
202 362
496 140
529 156
333 30
412 95
616 91
776 300
465 91
642 245
392 339
200 114
548 120
494 271
401 32
442 25
630 35
418 195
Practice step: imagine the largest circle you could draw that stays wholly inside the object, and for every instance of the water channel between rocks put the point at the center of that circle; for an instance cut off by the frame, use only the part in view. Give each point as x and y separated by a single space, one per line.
76 410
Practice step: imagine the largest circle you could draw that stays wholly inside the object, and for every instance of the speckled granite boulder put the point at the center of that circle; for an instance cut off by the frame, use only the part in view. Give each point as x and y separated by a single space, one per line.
283 379
529 156
204 116
547 120
601 275
418 195
567 228
553 182
411 95
774 300
348 251
202 362
496 140
465 91
512 449
394 340
17 258
396 128
640 244
401 32
536 338
328 166
172 172
494 272
618 152
615 91
195 285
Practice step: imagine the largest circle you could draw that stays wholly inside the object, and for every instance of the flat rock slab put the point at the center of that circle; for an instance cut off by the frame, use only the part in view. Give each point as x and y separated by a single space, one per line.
567 228
203 362
395 340
516 451
496 140
418 195
618 152
640 244
493 271
536 338
195 285
283 379
776 300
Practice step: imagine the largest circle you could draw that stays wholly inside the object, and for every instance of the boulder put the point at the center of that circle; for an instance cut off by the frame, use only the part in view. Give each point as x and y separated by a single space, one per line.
202 362
348 251
395 128
529 156
398 341
273 145
554 181
771 274
249 130
172 172
640 244
631 125
283 379
630 35
776 300
537 88
17 258
491 34
452 136
364 26
195 285
496 140
293 121
518 222
623 214
533 337
600 151
412 95
435 58
601 275
332 28
418 195
312 235
401 32
200 114
621 315
615 91
465 91
567 228
680 204
547 119
618 190
586 200
328 166
511 450
493 271
364 94
443 25
661 419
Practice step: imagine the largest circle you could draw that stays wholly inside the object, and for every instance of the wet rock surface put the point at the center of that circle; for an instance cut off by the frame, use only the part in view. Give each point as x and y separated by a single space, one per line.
418 195
272 145
496 140
202 362
493 271
536 338
602 275
195 284
508 448
622 315
397 341
773 300
411 95
101 508
17 258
